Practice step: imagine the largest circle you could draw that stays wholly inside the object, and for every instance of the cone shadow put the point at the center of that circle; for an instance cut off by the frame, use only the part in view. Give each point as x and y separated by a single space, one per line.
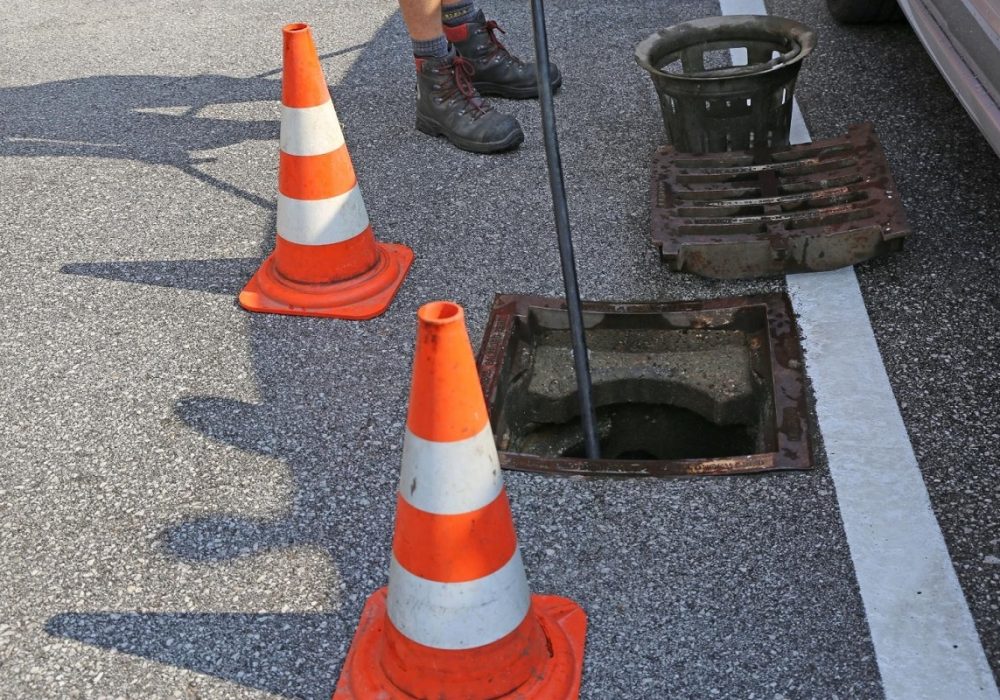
146 118
215 276
282 654
221 538
308 417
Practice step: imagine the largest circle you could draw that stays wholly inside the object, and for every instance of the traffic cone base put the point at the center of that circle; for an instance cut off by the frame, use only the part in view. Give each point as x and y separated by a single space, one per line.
359 298
458 620
562 621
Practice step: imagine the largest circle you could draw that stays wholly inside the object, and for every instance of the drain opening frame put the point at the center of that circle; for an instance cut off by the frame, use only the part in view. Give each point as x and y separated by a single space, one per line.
772 337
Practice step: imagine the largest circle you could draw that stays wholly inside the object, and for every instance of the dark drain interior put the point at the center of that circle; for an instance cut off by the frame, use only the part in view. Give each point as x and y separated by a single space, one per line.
643 431
678 388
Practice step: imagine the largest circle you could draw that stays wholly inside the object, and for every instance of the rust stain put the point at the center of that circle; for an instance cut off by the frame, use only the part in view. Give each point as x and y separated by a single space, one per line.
773 211
773 341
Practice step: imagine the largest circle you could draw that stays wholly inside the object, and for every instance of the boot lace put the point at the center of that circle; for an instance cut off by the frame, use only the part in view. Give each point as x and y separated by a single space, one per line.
462 85
496 45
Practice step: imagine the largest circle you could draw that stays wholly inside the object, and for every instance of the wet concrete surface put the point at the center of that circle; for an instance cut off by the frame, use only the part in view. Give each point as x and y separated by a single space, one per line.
711 371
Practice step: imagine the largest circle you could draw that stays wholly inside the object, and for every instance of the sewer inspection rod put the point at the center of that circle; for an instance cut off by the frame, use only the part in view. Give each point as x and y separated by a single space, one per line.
580 361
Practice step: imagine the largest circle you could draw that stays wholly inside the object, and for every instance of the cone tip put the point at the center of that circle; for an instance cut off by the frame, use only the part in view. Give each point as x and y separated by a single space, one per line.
295 28
440 313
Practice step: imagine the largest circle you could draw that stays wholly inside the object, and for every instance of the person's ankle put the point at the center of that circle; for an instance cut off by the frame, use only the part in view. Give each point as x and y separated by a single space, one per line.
430 48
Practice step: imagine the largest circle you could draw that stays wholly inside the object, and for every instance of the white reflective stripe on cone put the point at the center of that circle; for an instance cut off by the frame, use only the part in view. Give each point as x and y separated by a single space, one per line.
310 131
458 615
322 221
447 478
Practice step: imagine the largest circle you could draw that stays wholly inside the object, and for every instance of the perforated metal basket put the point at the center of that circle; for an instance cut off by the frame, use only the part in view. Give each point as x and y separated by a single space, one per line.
711 105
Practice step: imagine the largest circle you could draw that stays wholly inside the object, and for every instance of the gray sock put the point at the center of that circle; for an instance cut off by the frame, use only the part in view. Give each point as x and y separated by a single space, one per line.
458 13
431 48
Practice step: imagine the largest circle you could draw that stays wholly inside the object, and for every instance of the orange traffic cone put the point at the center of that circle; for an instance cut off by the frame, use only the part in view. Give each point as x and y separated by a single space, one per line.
457 621
326 261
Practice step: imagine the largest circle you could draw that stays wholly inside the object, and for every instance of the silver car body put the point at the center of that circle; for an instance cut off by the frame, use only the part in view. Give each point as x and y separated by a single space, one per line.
963 38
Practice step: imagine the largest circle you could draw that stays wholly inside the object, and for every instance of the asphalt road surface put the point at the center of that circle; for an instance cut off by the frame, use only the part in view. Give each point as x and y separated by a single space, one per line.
196 501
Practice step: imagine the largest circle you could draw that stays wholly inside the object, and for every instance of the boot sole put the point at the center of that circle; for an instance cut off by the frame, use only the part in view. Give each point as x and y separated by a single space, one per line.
512 93
432 128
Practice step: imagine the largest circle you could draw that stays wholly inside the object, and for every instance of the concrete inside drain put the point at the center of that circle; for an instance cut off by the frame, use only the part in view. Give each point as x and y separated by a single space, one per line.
682 388
660 394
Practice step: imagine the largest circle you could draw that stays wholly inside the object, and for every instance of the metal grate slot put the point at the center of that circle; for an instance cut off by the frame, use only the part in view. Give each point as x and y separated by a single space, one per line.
763 212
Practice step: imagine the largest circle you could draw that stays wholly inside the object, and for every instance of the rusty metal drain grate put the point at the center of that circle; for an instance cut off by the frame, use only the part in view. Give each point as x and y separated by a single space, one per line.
811 207
680 388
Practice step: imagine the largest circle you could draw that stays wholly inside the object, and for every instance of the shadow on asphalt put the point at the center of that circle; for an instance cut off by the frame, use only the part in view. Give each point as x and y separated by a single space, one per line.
147 118
215 276
227 645
305 416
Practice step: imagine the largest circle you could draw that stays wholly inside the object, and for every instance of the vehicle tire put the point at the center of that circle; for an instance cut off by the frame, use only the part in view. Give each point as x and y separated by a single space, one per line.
864 11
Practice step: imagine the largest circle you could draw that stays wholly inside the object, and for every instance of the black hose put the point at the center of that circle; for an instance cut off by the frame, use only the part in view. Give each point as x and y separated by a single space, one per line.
580 361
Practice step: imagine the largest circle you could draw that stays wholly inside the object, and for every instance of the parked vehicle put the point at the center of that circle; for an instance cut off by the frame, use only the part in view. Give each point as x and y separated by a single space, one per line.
963 39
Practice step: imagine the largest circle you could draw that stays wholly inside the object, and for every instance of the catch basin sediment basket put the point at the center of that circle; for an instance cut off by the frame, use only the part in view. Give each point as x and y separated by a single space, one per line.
726 83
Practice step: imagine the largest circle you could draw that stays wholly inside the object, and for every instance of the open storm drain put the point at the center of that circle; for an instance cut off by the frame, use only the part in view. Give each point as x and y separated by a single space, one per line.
683 388
812 207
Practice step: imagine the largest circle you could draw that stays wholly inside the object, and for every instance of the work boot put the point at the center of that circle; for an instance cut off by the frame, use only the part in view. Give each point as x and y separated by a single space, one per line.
498 72
448 105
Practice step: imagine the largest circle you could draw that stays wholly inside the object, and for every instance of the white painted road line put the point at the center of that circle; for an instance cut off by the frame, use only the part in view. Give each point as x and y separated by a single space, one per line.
925 639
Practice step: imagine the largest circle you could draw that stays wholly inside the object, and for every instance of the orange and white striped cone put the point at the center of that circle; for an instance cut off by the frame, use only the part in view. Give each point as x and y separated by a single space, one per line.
458 621
326 261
